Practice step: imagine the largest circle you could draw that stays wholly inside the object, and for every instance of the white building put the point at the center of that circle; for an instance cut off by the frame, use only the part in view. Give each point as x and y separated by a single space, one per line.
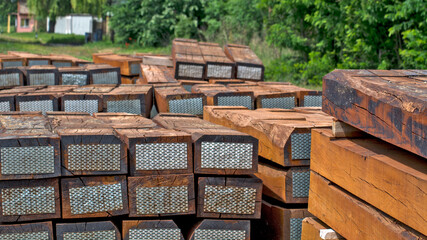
78 24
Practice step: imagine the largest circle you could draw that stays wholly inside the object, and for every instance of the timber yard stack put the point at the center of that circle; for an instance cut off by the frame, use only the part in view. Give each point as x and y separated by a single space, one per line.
369 174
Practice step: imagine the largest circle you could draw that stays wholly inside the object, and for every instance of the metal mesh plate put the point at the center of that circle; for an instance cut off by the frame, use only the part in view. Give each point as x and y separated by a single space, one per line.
93 199
221 199
189 105
245 101
155 234
312 101
165 199
161 156
296 228
74 79
226 155
26 236
191 71
300 145
36 106
249 72
88 106
94 157
300 184
37 62
127 106
283 103
105 78
12 64
219 71
61 64
27 160
94 235
4 106
42 79
219 234
24 201
135 69
10 79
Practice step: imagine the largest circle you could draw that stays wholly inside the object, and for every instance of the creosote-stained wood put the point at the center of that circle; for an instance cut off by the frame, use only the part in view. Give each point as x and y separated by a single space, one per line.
226 81
306 97
31 59
29 200
40 230
157 229
386 104
278 223
314 229
188 60
381 174
103 74
229 197
248 65
75 61
11 77
158 151
217 149
220 95
287 185
283 135
351 217
73 76
175 99
221 229
10 61
87 230
173 195
128 65
218 65
188 84
125 121
40 75
152 74
37 102
107 197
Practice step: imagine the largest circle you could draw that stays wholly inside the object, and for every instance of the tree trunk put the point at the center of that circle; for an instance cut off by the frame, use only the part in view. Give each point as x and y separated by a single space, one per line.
52 24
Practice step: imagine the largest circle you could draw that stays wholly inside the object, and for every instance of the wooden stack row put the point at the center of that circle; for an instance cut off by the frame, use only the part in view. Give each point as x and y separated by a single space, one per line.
121 168
51 75
21 59
284 138
369 174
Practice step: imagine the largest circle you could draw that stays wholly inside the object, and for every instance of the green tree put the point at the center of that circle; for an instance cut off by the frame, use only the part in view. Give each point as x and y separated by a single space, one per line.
7 7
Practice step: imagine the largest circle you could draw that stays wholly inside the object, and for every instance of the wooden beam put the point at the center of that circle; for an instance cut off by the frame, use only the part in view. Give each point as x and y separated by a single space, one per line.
151 229
188 60
220 95
175 99
314 229
87 230
41 230
351 217
221 229
248 65
343 130
388 178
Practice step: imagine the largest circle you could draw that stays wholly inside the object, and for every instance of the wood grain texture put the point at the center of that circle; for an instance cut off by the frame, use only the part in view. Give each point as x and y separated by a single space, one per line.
214 93
227 229
153 226
188 60
164 95
153 74
245 58
218 65
386 104
20 231
388 178
125 63
314 229
351 217
87 230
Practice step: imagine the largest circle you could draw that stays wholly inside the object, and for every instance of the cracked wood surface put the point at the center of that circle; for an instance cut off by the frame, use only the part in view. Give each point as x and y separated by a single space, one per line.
391 105
351 217
221 226
160 225
82 227
385 176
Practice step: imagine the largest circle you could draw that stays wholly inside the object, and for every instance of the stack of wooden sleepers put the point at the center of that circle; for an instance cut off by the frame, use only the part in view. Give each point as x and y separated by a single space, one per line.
110 176
284 138
369 173
22 59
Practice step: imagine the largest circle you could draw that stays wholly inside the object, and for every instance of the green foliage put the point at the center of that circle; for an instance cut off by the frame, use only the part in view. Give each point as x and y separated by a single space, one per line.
93 7
49 8
7 7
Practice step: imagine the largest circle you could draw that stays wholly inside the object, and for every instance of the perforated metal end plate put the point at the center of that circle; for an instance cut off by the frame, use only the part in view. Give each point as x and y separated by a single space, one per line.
159 200
226 155
93 199
312 101
74 79
94 157
300 145
88 106
300 184
42 79
127 106
283 103
61 64
219 234
245 101
155 234
37 62
26 236
4 106
36 106
189 105
27 160
135 69
191 71
94 235
12 64
25 201
296 228
237 200
219 71
254 73
161 156
105 78
10 79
